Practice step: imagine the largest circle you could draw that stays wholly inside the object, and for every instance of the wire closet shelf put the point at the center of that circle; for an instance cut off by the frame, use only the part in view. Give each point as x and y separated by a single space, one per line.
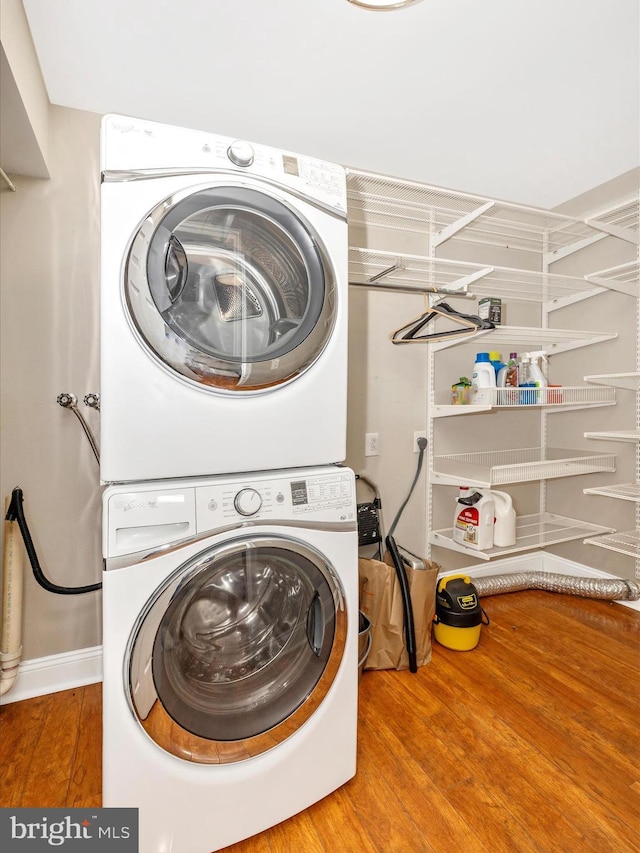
394 203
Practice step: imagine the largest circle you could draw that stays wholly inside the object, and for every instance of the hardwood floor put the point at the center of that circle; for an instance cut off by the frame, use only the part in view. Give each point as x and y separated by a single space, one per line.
527 743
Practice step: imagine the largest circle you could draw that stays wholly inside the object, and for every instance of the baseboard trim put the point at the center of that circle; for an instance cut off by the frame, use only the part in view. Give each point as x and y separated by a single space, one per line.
51 674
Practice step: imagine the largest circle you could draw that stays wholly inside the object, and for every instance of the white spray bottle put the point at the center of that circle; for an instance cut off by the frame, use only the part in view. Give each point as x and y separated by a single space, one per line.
535 373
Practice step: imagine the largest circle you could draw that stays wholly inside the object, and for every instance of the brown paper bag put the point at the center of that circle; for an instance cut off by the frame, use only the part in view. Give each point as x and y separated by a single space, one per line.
381 603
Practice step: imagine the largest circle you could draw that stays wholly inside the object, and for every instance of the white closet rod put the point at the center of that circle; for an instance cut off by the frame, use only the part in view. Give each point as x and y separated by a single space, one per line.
407 288
8 180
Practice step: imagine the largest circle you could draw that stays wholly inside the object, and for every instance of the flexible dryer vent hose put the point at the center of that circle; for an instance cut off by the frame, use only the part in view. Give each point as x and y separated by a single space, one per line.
12 583
612 589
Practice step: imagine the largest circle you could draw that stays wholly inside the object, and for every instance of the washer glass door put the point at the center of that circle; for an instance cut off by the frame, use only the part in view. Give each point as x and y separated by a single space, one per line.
230 288
237 649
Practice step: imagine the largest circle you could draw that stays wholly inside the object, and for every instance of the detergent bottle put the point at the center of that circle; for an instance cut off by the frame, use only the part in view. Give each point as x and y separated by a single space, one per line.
504 526
496 360
483 381
473 519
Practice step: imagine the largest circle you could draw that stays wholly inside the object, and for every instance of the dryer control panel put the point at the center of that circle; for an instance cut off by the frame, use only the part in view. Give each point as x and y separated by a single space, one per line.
131 145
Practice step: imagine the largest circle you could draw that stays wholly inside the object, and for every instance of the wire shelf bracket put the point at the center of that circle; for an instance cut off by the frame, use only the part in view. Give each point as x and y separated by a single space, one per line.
623 278
458 226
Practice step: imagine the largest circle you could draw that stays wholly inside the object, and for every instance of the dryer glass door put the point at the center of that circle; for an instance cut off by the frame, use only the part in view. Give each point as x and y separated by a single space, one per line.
231 288
237 649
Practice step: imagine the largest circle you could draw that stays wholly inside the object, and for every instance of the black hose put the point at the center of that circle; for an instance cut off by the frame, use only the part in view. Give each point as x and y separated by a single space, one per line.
409 626
15 512
407 605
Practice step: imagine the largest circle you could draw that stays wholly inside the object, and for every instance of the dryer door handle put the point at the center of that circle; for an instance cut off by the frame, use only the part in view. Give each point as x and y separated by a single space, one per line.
315 625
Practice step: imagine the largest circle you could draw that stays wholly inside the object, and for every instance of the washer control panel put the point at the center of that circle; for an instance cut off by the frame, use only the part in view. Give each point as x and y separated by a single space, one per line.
148 515
322 496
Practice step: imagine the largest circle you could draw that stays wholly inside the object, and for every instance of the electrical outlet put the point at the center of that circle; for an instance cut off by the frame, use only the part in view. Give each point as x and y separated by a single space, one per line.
371 447
416 436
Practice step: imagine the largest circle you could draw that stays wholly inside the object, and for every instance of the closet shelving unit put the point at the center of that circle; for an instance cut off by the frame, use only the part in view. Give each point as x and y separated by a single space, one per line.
415 274
624 222
433 216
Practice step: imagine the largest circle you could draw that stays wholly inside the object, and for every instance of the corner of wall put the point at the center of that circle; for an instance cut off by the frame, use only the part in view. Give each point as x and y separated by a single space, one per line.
24 100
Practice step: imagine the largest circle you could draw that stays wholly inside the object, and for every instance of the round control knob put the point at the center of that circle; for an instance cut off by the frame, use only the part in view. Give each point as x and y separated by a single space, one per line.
240 153
247 501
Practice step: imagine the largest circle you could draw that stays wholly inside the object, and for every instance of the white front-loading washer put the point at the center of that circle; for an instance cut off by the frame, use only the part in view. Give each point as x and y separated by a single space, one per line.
230 651
223 308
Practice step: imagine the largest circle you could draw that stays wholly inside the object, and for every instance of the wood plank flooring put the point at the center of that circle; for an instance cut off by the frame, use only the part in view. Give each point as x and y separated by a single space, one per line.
527 743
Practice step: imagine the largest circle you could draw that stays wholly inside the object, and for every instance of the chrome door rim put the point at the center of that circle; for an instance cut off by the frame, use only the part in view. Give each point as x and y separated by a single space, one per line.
210 371
159 724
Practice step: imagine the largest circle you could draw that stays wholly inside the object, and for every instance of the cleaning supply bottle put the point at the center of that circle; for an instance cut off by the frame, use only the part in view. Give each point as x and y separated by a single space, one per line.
508 377
534 376
511 376
535 368
526 396
473 519
483 381
504 526
496 360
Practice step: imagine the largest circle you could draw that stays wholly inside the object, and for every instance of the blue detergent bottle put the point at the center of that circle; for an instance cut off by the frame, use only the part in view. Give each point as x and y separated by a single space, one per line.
496 360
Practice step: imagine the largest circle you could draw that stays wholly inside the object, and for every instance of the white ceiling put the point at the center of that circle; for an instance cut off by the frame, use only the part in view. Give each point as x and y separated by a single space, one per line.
535 101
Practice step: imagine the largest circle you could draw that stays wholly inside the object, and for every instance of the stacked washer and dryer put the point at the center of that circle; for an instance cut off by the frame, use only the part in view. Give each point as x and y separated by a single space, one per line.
230 585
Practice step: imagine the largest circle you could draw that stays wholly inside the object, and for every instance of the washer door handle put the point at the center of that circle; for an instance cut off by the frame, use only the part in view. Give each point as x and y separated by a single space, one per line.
315 625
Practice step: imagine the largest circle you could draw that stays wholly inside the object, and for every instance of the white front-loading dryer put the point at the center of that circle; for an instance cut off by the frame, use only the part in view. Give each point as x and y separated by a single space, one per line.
224 305
230 652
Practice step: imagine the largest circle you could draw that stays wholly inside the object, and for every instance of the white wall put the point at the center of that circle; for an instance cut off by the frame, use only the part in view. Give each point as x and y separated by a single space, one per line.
387 392
49 291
